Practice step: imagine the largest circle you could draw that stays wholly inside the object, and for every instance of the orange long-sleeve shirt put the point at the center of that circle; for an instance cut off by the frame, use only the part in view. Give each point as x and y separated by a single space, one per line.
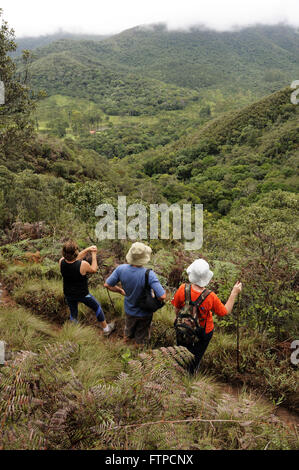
211 304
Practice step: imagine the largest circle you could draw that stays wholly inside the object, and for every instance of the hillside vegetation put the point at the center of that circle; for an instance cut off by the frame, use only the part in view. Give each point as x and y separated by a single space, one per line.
65 386
256 58
63 400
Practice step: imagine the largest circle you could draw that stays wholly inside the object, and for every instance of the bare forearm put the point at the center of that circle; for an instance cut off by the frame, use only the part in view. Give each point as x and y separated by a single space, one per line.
230 303
163 297
82 254
116 289
232 298
94 263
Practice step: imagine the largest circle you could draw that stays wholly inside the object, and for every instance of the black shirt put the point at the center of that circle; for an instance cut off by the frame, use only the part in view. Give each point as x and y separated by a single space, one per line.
74 284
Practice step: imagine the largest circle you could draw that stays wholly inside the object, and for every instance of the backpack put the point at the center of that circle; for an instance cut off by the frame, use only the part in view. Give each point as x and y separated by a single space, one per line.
146 301
187 328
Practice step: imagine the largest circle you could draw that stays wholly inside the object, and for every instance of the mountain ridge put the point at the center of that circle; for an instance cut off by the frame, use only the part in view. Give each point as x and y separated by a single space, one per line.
261 59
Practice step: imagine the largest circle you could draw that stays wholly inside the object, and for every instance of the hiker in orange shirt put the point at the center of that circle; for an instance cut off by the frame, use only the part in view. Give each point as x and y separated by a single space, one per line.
199 302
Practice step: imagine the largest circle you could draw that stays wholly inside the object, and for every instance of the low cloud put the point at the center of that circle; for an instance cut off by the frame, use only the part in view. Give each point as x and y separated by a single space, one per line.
32 18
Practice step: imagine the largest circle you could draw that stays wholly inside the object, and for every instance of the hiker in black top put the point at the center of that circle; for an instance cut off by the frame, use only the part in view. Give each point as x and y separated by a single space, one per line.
74 270
74 283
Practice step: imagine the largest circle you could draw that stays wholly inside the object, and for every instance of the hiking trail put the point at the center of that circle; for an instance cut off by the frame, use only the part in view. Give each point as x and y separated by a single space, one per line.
229 392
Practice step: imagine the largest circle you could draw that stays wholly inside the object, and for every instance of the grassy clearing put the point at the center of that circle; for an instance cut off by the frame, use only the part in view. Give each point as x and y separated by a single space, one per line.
15 274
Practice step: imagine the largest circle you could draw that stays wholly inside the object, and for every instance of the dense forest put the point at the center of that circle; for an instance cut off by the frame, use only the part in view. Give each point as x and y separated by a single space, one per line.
178 117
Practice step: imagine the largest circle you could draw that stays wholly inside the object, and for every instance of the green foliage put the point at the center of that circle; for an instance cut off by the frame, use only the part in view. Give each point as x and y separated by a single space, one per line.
15 126
22 330
115 89
258 352
85 198
133 137
229 158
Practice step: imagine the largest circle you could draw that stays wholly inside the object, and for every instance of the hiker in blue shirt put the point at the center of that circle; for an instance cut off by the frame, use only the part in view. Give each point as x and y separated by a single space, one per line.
132 279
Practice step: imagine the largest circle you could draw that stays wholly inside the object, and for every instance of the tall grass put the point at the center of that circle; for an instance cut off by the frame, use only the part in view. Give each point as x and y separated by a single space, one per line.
44 298
260 367
22 330
98 357
77 392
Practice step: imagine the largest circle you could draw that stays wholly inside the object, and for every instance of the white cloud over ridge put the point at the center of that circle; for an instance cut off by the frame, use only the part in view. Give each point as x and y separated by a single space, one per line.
33 17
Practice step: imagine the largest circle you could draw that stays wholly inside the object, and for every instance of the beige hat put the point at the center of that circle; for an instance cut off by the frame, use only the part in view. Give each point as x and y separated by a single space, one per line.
139 254
199 273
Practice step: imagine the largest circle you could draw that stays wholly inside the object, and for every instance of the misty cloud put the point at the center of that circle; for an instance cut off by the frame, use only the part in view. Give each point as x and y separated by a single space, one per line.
32 18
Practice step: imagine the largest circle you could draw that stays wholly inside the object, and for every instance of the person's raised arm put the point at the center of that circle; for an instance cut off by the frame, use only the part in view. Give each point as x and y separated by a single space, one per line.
233 295
84 252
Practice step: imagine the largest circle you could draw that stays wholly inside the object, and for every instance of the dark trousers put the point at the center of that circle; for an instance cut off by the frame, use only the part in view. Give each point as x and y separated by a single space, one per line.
90 302
138 328
199 348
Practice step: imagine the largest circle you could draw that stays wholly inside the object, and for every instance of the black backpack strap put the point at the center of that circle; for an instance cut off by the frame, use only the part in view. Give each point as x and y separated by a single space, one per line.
146 278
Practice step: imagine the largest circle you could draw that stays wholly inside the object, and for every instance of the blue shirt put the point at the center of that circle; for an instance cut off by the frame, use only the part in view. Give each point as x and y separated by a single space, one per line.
132 280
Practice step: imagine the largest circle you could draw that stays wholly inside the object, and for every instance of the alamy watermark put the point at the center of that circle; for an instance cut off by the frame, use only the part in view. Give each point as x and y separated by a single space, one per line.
2 353
2 93
295 86
140 222
295 354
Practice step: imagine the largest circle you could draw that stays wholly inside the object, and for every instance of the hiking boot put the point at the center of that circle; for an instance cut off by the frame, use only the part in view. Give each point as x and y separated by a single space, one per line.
111 327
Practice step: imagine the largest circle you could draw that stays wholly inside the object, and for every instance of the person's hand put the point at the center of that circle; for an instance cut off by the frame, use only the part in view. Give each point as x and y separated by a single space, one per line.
237 288
122 292
93 249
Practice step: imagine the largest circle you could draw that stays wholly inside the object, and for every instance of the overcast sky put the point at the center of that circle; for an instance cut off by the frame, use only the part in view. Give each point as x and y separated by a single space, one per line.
35 17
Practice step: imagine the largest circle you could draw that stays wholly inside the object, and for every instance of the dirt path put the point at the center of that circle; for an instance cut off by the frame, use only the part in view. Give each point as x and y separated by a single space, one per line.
291 419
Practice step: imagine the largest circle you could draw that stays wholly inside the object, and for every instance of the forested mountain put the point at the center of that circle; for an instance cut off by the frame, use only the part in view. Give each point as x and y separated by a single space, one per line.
74 69
261 59
231 160
205 58
228 161
33 42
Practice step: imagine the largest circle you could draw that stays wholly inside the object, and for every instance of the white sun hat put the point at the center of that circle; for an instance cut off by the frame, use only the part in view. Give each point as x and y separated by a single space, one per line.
139 254
199 273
